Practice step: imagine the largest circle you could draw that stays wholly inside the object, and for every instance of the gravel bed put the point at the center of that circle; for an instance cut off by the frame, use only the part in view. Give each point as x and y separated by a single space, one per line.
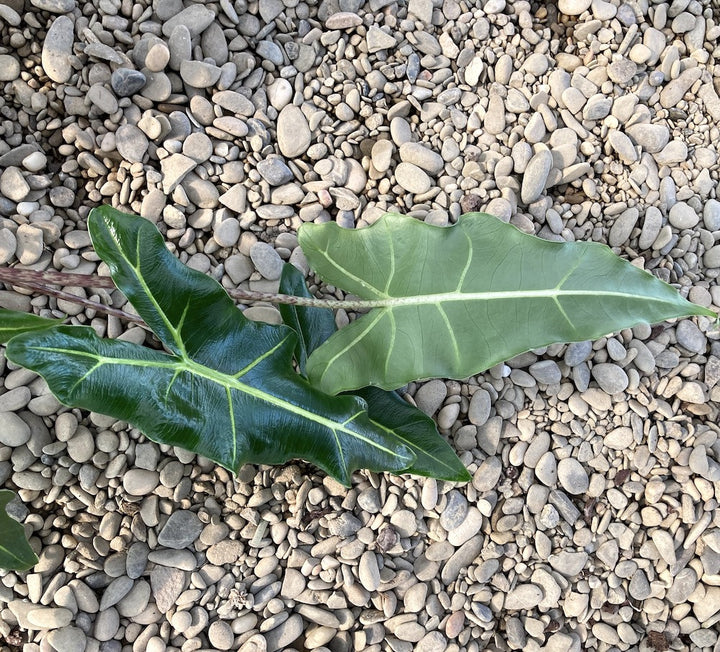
592 519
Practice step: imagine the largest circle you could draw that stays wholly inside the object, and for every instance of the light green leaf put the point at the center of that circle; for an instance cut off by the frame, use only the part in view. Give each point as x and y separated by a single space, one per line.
15 551
13 323
225 388
434 456
451 302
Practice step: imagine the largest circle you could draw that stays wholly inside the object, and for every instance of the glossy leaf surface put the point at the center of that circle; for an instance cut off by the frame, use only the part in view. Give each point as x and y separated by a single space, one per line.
454 301
224 389
434 456
15 551
13 323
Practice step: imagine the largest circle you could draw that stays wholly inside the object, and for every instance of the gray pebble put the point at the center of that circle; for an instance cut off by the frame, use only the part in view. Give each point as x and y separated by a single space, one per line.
199 74
711 215
131 143
275 171
622 227
461 559
293 132
68 639
57 50
479 409
423 157
546 372
651 137
182 528
167 584
412 179
196 18
683 216
13 184
536 176
455 511
221 635
652 223
611 378
430 396
281 636
14 431
524 596
368 571
690 337
266 260
9 68
572 476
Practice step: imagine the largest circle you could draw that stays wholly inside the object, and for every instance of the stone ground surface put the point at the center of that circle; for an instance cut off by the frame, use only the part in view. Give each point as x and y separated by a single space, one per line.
592 519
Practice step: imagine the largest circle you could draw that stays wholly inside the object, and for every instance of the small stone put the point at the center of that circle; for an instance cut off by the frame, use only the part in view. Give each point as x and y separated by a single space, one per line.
622 227
55 6
181 529
167 584
221 635
381 154
546 372
683 216
131 143
378 40
622 71
423 157
651 137
57 50
9 68
611 378
461 559
690 337
68 639
293 132
196 18
227 232
412 179
266 260
488 474
140 482
368 571
13 184
275 171
524 596
569 564
285 633
115 591
34 162
574 7
199 74
536 176
623 146
455 511
639 587
572 476
50 618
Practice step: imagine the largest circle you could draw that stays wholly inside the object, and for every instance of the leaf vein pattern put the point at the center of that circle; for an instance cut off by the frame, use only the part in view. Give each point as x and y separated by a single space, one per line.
233 427
379 293
391 345
470 253
451 333
259 359
392 260
228 382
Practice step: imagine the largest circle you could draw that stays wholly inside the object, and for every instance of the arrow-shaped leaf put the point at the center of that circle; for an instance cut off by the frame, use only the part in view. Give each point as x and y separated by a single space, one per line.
15 551
13 323
225 389
434 456
450 302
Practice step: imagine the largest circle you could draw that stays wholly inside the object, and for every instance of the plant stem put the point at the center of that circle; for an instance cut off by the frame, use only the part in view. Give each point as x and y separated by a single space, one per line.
39 280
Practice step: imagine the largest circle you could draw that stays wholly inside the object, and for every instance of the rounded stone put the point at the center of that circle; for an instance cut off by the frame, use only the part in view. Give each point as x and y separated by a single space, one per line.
412 179
572 476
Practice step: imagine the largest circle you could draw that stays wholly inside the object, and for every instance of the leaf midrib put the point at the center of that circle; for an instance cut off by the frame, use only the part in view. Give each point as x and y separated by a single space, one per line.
228 382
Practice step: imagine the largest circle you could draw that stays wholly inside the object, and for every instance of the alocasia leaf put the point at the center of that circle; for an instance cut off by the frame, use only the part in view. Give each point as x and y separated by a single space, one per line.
15 551
13 323
224 389
434 457
451 302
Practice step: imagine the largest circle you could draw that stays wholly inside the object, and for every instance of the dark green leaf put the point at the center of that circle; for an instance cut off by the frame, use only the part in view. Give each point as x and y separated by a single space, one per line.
13 323
313 325
434 456
15 551
225 389
452 302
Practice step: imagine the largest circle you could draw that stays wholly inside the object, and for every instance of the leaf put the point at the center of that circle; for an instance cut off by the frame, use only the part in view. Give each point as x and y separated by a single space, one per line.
225 389
312 325
13 323
454 301
15 551
434 457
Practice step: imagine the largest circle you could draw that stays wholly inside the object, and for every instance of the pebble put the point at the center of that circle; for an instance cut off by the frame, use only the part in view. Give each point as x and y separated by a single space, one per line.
285 633
422 157
57 50
412 179
68 639
266 260
9 68
683 216
275 171
611 378
572 476
536 176
181 529
524 596
368 571
221 635
131 143
293 132
378 40
49 618
651 137
167 584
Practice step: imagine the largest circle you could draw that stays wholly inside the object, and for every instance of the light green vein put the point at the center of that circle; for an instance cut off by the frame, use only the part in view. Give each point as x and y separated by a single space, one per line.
257 361
451 333
360 281
458 288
